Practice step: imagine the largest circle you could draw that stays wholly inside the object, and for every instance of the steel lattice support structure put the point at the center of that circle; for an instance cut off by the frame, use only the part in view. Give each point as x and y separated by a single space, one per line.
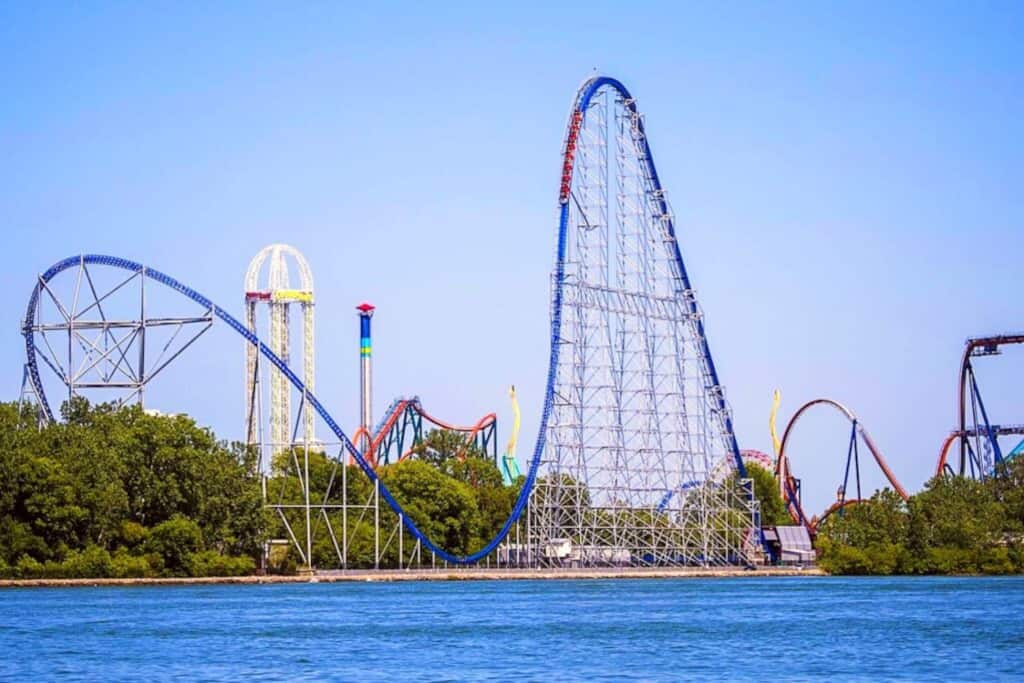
279 295
637 422
635 461
980 452
81 334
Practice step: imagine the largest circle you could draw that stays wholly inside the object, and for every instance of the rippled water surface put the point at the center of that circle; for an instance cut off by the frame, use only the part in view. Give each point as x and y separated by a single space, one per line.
727 629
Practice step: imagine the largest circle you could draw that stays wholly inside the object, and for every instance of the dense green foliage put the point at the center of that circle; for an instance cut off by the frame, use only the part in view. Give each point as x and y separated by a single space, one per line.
953 526
768 496
120 493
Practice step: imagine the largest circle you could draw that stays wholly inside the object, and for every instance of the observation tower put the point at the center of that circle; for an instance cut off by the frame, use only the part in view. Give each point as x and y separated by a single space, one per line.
278 293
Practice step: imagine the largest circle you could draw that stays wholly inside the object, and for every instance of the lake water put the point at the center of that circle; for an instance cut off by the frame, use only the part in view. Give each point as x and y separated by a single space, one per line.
912 629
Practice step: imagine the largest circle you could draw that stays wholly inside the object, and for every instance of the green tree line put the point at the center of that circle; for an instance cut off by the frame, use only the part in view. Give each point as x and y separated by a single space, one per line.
122 493
954 525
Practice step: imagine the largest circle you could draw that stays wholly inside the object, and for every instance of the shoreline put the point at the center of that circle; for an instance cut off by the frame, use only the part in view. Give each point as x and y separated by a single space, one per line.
398 575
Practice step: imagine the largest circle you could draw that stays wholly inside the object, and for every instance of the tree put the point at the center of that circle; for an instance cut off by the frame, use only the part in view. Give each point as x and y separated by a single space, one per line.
102 492
444 508
868 537
952 522
766 492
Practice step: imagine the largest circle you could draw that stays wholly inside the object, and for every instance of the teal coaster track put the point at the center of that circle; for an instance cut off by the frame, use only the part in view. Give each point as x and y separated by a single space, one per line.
579 112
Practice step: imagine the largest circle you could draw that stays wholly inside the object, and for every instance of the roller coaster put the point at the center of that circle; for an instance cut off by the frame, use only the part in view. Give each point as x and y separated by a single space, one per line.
633 406
979 454
403 427
789 485
635 446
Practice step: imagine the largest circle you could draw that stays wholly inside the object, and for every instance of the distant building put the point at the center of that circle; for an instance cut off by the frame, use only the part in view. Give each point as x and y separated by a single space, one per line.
790 545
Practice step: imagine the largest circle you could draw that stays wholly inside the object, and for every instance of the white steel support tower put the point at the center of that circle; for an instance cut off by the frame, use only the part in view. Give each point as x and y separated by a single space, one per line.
639 464
279 294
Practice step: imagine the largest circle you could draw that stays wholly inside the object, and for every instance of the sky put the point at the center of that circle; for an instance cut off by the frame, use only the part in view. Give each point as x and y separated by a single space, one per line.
847 181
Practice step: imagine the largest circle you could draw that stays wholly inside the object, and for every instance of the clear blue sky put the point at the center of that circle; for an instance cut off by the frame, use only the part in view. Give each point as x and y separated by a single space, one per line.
847 178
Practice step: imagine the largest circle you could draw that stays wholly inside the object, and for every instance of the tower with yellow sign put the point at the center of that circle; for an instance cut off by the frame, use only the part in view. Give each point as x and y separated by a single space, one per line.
278 293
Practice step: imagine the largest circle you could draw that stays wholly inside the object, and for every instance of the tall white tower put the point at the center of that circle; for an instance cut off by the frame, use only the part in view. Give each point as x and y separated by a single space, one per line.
279 294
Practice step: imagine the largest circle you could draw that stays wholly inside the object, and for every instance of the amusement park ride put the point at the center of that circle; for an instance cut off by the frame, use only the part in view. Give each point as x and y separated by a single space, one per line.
980 454
635 462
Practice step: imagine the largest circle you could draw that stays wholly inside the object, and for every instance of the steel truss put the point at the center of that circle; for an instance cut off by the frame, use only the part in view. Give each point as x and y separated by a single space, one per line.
638 426
396 537
980 453
279 294
330 509
84 340
635 461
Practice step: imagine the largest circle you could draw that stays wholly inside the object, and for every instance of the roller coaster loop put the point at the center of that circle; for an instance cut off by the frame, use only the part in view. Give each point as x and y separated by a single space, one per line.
788 483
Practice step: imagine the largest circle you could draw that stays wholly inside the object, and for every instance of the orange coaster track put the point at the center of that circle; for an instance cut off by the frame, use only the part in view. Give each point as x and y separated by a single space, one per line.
789 485
402 428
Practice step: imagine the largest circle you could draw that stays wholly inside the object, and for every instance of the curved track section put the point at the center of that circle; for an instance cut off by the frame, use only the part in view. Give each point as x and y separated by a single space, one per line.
407 414
634 411
587 92
787 482
834 508
265 351
979 451
942 466
678 305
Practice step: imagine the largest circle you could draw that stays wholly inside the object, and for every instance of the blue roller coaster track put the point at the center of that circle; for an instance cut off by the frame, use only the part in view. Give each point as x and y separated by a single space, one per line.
580 106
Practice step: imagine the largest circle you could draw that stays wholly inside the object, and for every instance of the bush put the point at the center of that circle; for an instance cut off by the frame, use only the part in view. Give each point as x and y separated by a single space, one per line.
79 492
844 559
997 561
174 541
133 534
155 562
91 563
211 563
29 568
948 560
127 566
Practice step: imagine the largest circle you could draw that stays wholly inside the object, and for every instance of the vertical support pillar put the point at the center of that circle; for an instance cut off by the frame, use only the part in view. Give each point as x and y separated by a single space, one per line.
344 511
376 523
365 374
309 519
142 335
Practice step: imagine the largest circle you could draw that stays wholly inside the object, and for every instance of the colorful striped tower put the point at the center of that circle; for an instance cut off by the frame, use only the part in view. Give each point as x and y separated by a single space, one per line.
365 372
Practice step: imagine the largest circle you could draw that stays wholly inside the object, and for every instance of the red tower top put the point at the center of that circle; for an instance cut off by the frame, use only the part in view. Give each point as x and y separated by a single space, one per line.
365 308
